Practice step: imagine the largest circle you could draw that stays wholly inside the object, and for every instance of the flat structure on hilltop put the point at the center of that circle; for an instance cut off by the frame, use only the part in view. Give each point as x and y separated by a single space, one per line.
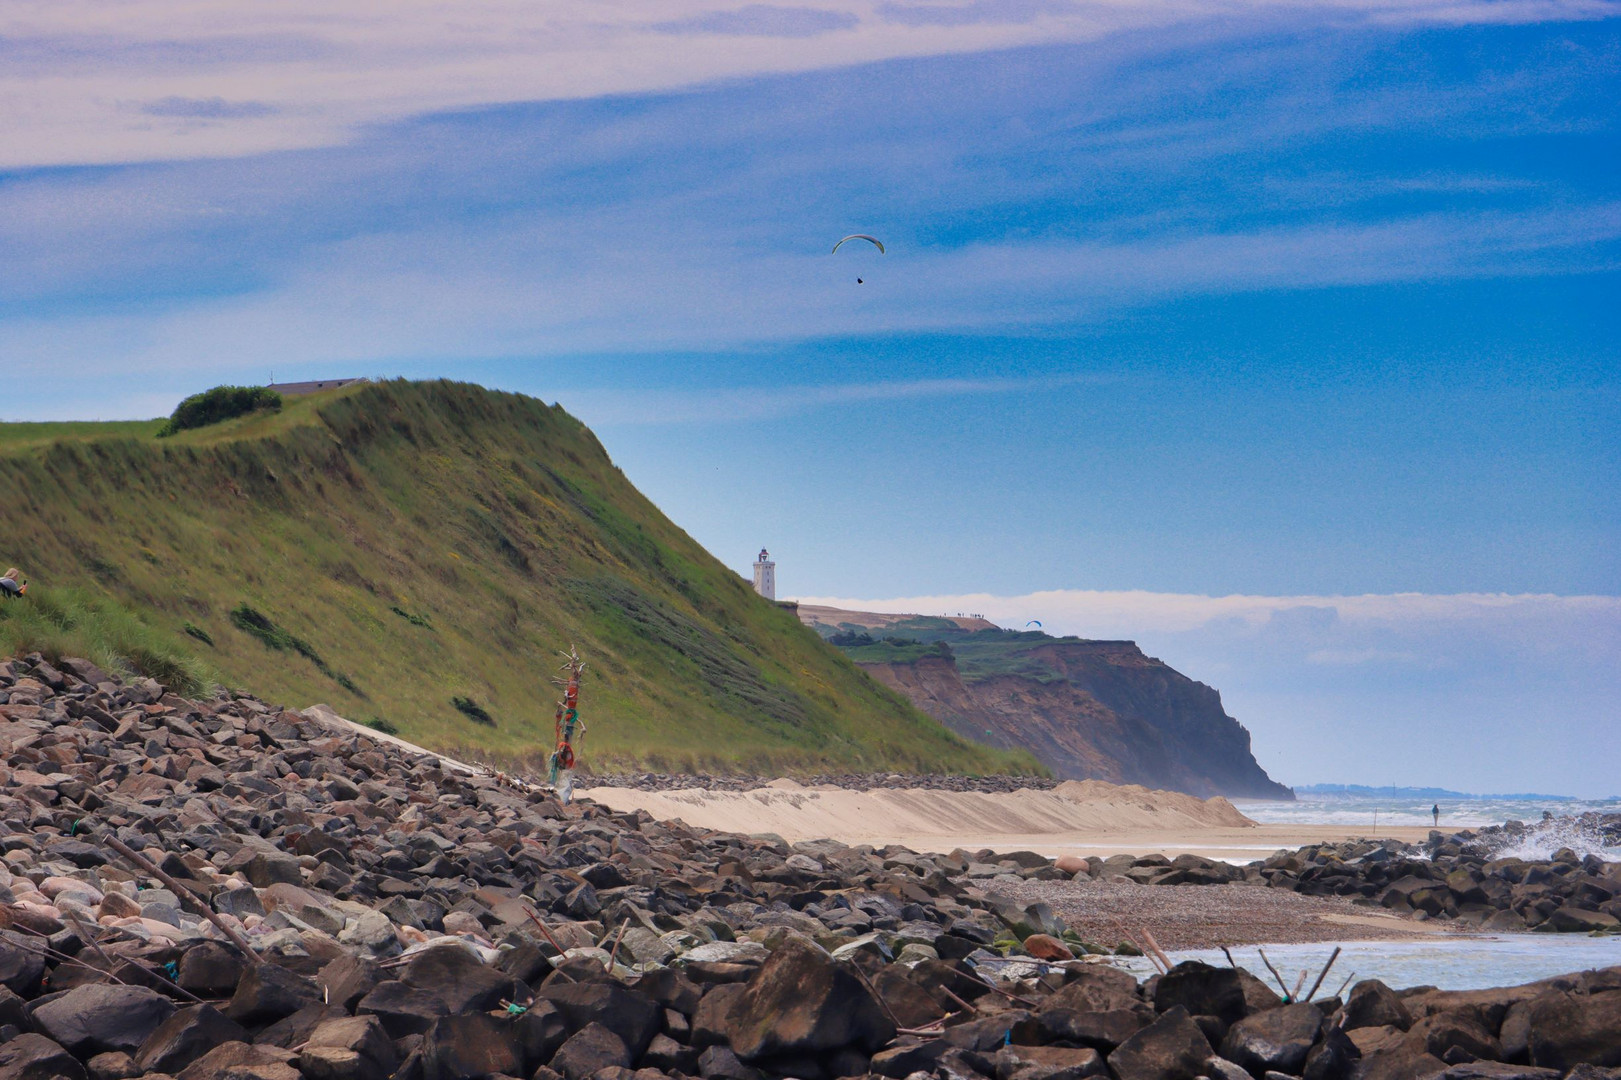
298 389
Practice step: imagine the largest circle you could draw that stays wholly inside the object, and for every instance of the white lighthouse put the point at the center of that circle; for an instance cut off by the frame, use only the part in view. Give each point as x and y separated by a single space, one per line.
765 575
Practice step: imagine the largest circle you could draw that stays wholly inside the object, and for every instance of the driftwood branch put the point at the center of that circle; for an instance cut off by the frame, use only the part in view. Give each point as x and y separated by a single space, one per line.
1323 974
182 893
1279 978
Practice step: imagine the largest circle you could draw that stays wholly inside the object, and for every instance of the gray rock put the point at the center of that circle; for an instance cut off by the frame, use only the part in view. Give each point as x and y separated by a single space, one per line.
34 1057
1373 1004
210 970
1202 990
589 1050
97 1018
477 1044
629 1015
802 1002
1276 1039
1571 1029
268 992
1171 1048
184 1037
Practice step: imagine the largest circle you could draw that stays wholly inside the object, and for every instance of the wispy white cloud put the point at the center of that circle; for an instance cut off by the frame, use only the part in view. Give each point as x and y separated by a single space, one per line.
75 72
547 287
1121 613
762 20
725 405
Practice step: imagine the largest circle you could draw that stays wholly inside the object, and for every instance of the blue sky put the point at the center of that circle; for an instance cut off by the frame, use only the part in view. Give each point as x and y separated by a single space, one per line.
1295 304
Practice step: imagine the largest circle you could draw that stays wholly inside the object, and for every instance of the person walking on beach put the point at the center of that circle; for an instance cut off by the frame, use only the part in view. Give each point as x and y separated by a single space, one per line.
1436 810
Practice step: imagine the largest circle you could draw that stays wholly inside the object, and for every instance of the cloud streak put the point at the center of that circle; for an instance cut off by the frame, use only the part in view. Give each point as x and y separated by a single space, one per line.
325 71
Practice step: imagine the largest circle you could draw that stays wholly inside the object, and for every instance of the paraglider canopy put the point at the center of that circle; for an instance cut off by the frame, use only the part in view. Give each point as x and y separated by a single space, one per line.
873 240
1033 622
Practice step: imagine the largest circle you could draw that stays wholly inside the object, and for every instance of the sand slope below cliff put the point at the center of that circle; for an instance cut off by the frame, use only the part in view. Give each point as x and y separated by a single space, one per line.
1065 815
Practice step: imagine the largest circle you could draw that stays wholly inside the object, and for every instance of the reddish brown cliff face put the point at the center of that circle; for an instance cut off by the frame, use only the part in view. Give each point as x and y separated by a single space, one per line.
1111 714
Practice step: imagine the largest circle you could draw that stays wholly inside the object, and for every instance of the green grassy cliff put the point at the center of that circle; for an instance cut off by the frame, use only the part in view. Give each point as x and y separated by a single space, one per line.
391 547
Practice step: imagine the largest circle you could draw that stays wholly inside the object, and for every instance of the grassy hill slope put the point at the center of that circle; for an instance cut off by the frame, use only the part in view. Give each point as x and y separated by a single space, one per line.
390 547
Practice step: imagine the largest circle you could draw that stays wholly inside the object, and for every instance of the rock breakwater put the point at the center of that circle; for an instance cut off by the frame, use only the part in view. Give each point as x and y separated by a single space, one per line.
1452 877
226 890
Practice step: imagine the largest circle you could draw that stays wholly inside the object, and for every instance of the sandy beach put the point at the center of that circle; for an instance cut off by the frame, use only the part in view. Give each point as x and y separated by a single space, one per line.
1076 818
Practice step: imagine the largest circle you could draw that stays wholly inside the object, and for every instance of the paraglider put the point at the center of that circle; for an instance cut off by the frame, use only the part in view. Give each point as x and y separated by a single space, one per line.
1032 622
873 240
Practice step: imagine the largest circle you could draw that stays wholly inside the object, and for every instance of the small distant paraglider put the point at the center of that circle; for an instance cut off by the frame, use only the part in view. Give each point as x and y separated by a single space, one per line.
1033 622
873 240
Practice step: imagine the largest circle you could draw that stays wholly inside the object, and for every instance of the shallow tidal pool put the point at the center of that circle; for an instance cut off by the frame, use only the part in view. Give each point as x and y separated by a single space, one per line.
1451 963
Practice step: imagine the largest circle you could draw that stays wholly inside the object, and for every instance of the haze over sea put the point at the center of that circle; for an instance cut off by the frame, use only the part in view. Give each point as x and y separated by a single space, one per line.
1377 811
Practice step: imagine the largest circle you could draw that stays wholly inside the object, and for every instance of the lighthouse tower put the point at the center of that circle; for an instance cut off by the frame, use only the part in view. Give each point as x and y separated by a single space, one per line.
765 575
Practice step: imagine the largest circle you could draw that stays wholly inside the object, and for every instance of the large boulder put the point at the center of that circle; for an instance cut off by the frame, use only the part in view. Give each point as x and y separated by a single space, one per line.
1274 1040
802 1002
1334 1058
1574 920
1373 1004
1202 990
1099 1030
457 978
99 1017
1171 1048
634 1018
1570 1029
268 992
1460 1029
348 1048
1400 1062
475 1044
902 1061
209 969
184 1037
20 969
1097 988
1048 1063
540 1032
34 1057
404 1010
588 1051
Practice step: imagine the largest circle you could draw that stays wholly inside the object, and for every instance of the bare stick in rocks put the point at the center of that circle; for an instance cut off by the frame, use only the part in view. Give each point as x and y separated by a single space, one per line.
536 920
89 939
1323 974
947 992
873 990
1278 978
617 939
1229 956
1152 959
1148 936
182 893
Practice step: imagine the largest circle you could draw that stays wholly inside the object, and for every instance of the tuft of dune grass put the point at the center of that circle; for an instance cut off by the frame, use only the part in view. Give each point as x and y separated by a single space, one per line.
58 622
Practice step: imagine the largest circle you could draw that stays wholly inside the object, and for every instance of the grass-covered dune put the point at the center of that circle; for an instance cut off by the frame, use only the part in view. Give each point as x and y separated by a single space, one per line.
417 554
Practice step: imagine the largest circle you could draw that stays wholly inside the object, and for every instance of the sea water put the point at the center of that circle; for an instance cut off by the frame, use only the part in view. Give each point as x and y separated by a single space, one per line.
1353 812
1450 963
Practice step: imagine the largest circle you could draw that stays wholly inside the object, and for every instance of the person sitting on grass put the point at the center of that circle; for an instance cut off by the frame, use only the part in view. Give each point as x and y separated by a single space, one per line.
12 585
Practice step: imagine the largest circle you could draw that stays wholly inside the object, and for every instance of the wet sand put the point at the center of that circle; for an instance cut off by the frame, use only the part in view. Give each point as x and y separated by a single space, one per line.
1210 916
